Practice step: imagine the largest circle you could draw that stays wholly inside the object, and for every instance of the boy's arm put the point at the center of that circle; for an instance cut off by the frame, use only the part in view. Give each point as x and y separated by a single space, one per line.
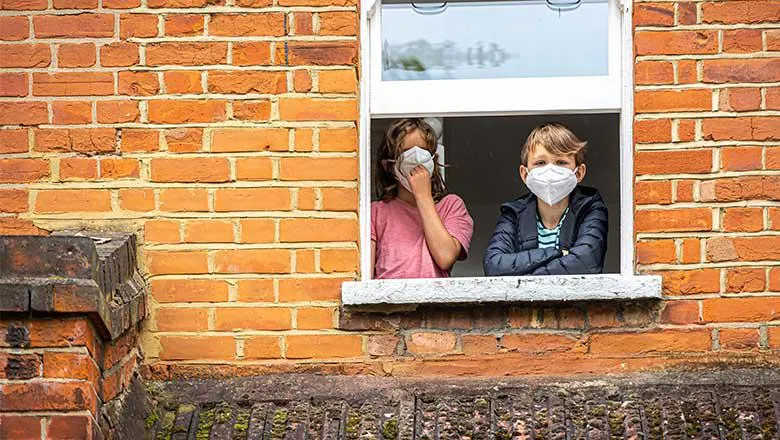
501 258
586 256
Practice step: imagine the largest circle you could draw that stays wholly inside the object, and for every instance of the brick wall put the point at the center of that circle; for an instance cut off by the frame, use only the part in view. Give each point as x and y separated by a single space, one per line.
223 132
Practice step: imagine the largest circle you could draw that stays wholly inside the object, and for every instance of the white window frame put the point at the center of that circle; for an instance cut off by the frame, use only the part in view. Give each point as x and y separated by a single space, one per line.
626 285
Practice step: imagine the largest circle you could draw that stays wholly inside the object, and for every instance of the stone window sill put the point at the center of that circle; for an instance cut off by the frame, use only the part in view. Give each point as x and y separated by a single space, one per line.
501 289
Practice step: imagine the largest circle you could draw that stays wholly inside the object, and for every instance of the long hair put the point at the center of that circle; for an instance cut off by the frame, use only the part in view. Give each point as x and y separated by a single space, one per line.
390 151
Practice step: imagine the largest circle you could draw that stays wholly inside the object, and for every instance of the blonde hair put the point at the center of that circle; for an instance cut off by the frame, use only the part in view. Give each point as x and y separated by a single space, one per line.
556 139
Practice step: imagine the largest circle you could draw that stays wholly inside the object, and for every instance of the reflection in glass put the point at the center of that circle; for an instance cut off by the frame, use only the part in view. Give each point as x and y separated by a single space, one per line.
494 39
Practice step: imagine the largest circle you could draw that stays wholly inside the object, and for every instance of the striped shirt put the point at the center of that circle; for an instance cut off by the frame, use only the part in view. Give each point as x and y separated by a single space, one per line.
549 237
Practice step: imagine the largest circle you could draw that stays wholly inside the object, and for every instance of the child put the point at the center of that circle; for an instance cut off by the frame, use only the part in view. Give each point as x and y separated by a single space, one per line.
417 229
560 228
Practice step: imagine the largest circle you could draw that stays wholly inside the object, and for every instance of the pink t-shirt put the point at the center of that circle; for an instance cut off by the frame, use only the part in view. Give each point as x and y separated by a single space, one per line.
401 250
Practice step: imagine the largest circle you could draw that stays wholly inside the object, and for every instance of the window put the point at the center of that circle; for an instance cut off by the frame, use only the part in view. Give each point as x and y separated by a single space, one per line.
491 71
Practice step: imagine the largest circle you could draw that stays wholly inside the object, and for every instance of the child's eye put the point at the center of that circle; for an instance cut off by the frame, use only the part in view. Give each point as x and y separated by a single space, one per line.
539 162
562 162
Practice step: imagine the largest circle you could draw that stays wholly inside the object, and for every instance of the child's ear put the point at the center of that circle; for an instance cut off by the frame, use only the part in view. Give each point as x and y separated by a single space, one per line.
580 172
523 172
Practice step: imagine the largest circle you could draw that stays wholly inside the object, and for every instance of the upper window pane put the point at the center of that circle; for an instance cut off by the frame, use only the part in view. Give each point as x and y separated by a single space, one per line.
493 39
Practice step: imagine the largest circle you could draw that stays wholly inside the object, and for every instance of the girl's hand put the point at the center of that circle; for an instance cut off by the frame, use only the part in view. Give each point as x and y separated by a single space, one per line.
420 181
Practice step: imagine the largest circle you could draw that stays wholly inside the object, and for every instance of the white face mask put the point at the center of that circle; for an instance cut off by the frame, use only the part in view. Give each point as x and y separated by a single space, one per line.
551 183
409 160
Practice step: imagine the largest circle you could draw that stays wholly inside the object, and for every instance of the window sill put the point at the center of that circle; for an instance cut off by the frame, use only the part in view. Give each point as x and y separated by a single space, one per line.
501 289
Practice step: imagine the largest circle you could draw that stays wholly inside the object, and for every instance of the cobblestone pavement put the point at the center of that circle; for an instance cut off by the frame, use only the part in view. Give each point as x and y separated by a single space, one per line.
742 404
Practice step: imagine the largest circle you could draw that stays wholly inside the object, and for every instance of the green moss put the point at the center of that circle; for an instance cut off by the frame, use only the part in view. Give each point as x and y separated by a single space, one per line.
166 426
241 426
353 422
152 419
223 413
184 409
390 429
279 425
205 422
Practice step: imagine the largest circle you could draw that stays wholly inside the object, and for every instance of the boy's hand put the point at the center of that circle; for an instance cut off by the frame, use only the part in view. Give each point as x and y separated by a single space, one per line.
420 181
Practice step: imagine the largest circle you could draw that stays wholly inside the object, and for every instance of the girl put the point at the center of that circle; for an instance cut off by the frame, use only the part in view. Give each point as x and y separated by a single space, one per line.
417 229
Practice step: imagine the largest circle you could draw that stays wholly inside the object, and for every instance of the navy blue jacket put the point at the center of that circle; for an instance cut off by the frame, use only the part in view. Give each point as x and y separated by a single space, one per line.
514 250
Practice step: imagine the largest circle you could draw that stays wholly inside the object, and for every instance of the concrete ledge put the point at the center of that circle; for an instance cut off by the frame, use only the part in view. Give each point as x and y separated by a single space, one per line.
501 289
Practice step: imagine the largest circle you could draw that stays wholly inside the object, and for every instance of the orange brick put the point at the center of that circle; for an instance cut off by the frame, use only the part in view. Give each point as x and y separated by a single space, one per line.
13 200
541 343
338 139
741 158
14 28
197 347
649 131
738 339
747 188
14 141
304 261
243 82
742 40
740 12
119 55
137 25
184 25
252 53
303 22
680 312
321 53
740 99
691 251
657 251
773 335
301 81
658 220
76 140
181 319
208 231
337 81
139 200
743 219
317 230
186 54
744 248
307 199
189 290
318 168
23 170
73 84
253 318
315 109
676 42
687 72
654 14
310 289
644 343
186 110
113 112
431 342
256 24
304 139
252 110
184 140
178 200
686 13
262 347
252 261
76 55
324 346
183 81
686 130
74 26
81 200
654 72
162 231
119 168
73 168
256 290
339 199
732 71
171 263
653 192
746 280
774 218
257 139
741 309
24 55
69 366
252 199
190 170
71 112
257 231
135 140
690 282
138 83
338 23
673 162
339 260
684 191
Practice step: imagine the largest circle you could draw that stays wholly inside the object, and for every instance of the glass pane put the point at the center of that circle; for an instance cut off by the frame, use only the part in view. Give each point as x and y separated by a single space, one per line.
493 39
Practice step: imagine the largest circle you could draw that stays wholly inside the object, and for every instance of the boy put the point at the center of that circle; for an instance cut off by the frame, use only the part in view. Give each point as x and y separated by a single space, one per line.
559 228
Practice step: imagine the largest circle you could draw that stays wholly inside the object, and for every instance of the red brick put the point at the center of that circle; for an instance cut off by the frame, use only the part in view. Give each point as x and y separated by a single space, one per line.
119 168
121 4
747 188
654 14
15 226
184 140
687 72
676 42
134 140
119 55
746 280
318 230
302 81
181 25
71 112
654 72
20 427
189 290
684 191
254 168
680 312
76 55
65 365
13 200
183 200
741 309
172 263
673 162
431 343
309 3
186 54
329 53
657 251
308 109
186 110
78 168
250 139
686 13
78 140
13 84
73 84
23 113
772 158
14 28
183 81
740 99
252 199
138 83
256 290
652 131
47 396
686 130
744 248
737 12
140 200
113 112
242 82
324 346
338 23
24 5
23 170
262 347
74 26
690 282
253 318
314 318
162 231
653 342
197 347
310 289
743 219
13 141
180 319
252 261
738 339
137 25
24 55
54 201
741 70
252 110
649 101
190 170
255 24
75 4
256 53
692 219
318 168
339 260
741 158
742 40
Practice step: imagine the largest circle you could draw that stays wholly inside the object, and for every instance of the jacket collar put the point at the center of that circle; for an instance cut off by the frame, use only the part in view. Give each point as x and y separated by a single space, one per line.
577 198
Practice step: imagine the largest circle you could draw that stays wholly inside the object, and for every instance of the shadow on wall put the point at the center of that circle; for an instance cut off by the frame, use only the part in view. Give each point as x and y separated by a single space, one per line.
483 154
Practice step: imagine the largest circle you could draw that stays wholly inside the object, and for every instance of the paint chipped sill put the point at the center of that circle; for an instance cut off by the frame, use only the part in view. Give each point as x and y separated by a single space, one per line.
564 288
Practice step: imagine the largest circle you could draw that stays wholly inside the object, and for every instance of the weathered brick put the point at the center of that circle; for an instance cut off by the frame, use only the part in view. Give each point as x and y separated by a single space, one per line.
186 110
184 25
74 26
324 346
186 54
77 140
23 113
741 309
197 347
664 220
73 84
190 170
23 170
654 14
255 24
676 42
689 282
183 81
262 347
250 139
644 343
657 251
745 280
